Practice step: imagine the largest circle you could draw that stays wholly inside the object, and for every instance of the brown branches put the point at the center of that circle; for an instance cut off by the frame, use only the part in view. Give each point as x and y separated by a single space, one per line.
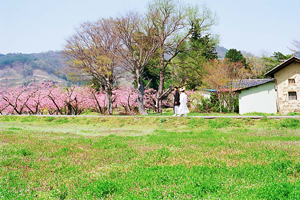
93 50
139 44
296 44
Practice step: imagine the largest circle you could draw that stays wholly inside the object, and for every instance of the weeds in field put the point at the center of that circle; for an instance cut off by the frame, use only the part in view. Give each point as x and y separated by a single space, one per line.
149 158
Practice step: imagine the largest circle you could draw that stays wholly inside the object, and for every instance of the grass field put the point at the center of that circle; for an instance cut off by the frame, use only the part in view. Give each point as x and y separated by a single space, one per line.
149 158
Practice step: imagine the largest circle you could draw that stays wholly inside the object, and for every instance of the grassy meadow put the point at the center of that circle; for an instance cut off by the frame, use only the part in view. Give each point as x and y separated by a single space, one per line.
148 158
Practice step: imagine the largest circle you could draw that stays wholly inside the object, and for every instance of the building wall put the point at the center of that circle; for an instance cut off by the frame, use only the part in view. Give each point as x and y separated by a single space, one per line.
205 94
283 87
258 99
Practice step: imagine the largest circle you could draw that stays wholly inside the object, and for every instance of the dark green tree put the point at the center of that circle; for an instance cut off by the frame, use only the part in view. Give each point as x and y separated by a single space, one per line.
274 60
204 46
151 74
197 51
234 55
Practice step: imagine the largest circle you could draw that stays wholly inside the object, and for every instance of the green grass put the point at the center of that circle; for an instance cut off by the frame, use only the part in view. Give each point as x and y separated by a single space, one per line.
149 158
169 112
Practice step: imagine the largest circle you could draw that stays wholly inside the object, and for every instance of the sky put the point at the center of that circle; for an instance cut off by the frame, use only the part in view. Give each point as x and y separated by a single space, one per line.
255 26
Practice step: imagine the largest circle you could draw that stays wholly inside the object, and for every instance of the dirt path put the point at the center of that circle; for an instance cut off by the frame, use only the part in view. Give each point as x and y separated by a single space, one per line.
203 117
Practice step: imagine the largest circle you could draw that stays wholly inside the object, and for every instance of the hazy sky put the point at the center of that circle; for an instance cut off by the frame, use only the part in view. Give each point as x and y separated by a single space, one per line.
33 26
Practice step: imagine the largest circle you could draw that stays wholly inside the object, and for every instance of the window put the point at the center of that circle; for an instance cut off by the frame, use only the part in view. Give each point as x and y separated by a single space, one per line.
292 96
292 81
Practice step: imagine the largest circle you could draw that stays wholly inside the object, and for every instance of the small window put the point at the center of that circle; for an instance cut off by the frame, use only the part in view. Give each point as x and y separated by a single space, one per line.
292 96
292 81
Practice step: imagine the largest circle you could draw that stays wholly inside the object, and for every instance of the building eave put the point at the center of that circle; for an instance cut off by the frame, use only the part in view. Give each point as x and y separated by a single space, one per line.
285 63
246 88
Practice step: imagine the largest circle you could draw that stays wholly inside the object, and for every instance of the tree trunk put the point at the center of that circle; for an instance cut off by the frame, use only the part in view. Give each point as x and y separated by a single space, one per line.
220 103
97 102
160 91
109 101
140 99
161 83
57 108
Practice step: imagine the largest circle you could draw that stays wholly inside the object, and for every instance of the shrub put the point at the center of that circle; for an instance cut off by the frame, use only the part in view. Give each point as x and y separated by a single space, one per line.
162 120
290 123
203 105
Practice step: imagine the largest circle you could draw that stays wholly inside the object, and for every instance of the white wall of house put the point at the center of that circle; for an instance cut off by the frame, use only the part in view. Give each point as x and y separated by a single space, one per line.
205 94
261 98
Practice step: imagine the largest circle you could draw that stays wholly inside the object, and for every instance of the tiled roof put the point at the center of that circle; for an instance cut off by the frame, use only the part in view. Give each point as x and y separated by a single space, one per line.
249 83
242 84
253 82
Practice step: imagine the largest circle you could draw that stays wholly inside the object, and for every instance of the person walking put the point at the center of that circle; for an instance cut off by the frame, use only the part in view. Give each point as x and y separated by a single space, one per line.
176 101
183 109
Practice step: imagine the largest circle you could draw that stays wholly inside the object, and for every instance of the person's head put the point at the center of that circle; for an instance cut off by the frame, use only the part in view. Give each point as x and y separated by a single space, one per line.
175 89
182 89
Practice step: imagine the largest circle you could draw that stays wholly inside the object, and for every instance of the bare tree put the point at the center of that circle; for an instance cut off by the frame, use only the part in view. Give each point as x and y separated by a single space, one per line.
225 77
255 64
92 51
174 24
139 43
296 44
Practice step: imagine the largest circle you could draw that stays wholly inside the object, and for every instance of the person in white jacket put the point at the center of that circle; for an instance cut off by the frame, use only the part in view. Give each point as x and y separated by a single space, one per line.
183 109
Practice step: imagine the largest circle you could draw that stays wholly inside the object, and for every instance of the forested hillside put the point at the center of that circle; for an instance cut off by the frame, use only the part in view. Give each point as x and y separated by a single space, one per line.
17 68
20 68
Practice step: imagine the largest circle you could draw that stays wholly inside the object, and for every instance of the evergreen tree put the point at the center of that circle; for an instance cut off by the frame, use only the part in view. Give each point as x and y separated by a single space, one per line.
196 52
234 55
274 60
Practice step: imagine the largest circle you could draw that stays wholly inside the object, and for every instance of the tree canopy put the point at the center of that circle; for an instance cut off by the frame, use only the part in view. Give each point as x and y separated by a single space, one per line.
274 60
234 55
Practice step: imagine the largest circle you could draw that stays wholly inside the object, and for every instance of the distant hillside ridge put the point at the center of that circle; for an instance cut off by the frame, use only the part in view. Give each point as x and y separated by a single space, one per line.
221 51
20 68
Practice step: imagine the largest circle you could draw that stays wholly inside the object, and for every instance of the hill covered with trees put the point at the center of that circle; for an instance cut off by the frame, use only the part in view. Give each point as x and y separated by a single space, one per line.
17 68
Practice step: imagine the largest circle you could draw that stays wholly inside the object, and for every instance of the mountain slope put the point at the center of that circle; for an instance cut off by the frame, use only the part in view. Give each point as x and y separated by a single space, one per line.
221 51
18 68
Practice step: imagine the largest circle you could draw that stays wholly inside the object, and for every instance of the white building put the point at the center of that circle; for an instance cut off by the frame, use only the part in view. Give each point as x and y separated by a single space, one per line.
258 98
280 94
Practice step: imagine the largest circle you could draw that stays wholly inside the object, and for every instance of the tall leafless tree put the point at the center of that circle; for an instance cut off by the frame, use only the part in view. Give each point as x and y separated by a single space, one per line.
174 24
92 51
296 48
139 44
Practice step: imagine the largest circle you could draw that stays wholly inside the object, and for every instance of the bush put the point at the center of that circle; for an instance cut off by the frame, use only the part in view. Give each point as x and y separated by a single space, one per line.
220 123
162 120
203 105
195 99
290 123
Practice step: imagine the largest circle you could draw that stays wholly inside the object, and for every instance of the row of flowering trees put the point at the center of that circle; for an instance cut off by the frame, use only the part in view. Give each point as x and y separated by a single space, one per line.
47 98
